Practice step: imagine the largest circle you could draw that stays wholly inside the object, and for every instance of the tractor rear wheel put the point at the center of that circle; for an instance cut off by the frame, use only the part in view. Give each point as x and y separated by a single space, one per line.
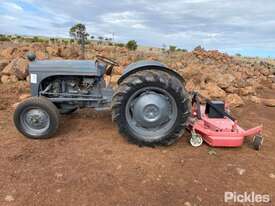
151 108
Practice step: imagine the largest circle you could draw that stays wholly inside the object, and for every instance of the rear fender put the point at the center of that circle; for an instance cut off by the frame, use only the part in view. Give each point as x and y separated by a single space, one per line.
147 65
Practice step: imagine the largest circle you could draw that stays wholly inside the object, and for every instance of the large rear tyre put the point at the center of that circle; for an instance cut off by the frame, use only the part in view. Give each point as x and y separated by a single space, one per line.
36 118
151 108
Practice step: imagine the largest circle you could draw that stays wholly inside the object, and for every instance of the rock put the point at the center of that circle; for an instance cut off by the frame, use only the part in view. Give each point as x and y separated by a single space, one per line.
247 91
13 78
255 99
273 86
52 51
21 69
212 152
9 198
233 100
272 175
58 175
265 71
18 67
212 91
240 171
118 70
8 53
40 55
28 78
190 71
268 102
69 53
3 64
190 86
224 80
9 69
231 89
187 204
15 105
6 79
24 96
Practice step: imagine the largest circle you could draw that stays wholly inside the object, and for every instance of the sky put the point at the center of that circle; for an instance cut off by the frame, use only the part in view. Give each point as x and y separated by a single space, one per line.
233 26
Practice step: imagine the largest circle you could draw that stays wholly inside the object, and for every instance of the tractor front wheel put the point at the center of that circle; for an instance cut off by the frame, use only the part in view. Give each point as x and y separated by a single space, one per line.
36 118
151 108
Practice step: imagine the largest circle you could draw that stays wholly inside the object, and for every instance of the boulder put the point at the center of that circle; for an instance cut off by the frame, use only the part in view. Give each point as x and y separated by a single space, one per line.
265 71
212 91
118 70
190 86
5 79
21 69
69 53
52 51
231 89
8 53
190 71
234 100
9 69
247 91
18 67
268 102
3 64
40 55
255 99
24 96
224 80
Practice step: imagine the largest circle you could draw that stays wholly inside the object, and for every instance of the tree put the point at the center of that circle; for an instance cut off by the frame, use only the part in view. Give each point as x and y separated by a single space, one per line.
79 33
132 45
172 48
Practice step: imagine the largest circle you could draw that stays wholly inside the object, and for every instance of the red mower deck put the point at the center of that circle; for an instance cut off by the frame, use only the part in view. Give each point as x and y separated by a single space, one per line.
219 132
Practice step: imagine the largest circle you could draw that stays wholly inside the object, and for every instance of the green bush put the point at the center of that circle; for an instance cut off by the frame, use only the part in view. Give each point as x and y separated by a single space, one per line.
4 38
119 45
172 48
132 45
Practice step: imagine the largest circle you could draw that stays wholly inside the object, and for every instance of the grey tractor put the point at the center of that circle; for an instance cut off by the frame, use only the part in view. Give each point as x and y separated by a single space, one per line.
149 104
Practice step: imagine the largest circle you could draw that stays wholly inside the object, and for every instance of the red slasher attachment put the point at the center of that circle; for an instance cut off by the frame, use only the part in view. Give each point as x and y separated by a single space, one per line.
215 126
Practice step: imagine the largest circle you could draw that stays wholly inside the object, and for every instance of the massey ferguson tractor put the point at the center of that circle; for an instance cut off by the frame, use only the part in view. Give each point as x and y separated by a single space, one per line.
150 105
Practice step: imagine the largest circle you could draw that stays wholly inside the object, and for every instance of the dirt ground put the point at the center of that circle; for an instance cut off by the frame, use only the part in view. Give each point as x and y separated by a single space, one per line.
89 163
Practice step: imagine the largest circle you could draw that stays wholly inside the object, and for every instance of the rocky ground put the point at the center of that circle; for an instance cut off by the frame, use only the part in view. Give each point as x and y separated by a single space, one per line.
213 74
89 163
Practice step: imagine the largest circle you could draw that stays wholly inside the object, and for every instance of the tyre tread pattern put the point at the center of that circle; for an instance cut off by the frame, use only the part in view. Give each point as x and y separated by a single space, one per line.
168 82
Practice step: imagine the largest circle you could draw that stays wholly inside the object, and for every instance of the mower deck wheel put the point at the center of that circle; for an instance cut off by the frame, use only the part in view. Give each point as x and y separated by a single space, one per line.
257 142
196 140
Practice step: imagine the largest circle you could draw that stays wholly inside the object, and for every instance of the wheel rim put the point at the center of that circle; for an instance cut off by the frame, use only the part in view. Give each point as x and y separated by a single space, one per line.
151 112
35 121
196 140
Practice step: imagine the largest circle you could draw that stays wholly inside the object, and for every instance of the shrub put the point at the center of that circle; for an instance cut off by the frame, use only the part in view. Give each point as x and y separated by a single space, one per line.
119 45
4 38
172 48
132 45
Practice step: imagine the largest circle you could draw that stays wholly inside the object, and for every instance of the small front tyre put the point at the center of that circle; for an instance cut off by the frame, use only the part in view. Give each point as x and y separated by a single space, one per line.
36 118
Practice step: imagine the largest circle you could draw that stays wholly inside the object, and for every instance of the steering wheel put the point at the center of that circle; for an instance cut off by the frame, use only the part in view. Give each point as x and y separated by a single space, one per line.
106 60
